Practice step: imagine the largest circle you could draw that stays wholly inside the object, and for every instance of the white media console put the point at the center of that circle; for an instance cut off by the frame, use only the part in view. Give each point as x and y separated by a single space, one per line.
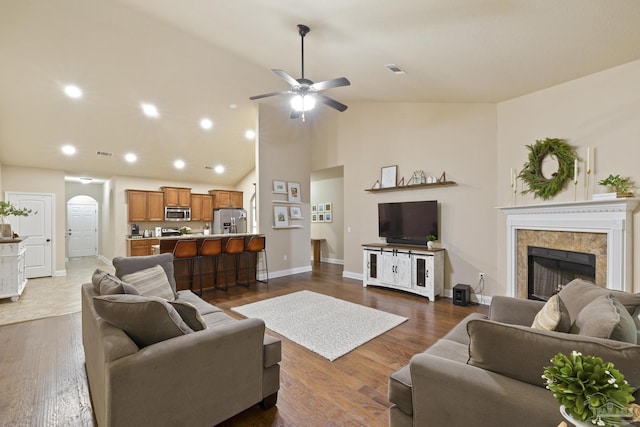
414 269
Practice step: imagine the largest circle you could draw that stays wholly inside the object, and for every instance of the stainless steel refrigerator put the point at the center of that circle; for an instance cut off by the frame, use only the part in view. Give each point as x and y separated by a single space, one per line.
229 221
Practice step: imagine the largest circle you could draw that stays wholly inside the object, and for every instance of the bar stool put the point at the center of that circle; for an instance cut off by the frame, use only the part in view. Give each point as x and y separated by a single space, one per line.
187 250
210 248
235 247
255 247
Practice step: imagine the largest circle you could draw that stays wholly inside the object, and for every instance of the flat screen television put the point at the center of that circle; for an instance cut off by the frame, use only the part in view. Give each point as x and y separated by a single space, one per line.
408 222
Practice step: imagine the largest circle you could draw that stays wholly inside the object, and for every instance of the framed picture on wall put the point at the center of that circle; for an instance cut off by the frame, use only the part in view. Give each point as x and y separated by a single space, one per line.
328 217
296 212
320 217
280 216
314 208
279 187
327 207
314 217
388 178
320 207
293 191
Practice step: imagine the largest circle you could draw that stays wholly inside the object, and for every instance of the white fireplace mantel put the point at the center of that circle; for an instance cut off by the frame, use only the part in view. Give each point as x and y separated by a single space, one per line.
613 217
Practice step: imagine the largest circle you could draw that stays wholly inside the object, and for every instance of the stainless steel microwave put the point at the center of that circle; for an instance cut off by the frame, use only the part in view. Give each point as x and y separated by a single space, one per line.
177 214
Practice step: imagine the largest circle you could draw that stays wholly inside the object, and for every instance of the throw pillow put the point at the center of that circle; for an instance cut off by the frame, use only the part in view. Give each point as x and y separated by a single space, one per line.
606 317
128 265
107 284
552 316
151 282
189 314
636 320
147 320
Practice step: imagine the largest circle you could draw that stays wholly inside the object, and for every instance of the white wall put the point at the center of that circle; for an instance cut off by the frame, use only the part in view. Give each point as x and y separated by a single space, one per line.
601 111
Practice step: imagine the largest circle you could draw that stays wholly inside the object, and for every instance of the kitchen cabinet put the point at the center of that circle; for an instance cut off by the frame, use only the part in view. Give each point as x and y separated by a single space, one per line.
201 207
226 199
145 206
141 247
177 197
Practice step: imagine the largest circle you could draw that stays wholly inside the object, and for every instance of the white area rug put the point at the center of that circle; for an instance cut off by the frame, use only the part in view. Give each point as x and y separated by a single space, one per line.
325 325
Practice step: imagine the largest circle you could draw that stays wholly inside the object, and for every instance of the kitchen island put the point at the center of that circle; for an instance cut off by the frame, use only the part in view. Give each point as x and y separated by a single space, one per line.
204 268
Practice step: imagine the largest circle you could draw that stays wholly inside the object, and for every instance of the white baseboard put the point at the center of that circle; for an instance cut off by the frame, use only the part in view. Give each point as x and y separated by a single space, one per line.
289 272
352 275
479 299
59 273
105 259
332 261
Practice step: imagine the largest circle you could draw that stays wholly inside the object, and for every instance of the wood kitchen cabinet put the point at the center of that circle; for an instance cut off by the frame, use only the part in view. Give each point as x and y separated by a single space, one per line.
177 197
141 247
145 206
201 207
226 199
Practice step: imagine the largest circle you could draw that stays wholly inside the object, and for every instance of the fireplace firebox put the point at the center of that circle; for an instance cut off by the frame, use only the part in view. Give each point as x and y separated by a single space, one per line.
550 269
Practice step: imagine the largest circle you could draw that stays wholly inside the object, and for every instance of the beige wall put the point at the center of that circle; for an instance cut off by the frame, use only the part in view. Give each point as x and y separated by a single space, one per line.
48 181
284 153
327 186
456 138
601 111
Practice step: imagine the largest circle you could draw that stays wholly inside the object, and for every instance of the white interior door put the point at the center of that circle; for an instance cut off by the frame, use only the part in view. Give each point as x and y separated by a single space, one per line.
82 229
39 228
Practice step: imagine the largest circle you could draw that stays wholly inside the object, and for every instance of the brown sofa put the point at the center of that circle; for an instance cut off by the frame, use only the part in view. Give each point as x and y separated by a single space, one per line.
487 370
197 378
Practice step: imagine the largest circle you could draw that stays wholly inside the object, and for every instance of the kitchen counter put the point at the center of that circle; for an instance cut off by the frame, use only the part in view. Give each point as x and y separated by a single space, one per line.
193 236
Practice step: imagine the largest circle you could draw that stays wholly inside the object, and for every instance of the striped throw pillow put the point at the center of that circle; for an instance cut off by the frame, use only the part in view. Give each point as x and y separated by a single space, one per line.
151 282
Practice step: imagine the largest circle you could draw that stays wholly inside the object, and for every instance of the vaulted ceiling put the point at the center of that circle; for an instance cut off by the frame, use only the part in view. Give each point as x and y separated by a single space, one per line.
198 58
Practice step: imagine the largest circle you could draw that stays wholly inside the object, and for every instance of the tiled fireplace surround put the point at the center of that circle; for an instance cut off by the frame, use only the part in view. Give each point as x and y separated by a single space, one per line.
600 227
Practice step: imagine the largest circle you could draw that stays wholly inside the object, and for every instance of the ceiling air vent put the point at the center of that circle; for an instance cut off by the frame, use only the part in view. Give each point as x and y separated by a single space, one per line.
104 153
395 69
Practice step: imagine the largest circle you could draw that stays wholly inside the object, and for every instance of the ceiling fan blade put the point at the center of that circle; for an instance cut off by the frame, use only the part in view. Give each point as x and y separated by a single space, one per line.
331 102
341 81
264 95
286 77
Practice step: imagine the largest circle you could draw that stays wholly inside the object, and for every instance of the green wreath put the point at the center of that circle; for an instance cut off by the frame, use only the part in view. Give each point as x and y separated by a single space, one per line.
538 184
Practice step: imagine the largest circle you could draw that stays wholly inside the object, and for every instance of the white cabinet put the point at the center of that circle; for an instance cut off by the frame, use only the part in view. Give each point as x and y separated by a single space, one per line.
12 268
412 268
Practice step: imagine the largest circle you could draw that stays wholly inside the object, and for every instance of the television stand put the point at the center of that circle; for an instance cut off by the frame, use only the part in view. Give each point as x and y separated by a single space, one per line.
408 268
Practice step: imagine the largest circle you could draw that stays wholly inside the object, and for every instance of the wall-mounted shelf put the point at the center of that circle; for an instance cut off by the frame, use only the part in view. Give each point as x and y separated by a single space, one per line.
288 226
411 187
285 202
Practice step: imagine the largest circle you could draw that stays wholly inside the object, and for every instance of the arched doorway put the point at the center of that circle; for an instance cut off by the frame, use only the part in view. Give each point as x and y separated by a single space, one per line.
82 227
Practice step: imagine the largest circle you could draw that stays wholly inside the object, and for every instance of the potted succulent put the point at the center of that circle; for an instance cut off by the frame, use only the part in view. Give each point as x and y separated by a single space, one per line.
622 186
590 391
430 239
7 209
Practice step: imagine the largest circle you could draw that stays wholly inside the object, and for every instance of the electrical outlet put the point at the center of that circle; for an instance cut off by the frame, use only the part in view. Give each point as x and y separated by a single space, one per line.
285 257
481 276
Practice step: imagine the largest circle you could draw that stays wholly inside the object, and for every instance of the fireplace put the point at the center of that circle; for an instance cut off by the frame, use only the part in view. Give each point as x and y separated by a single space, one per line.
548 270
601 227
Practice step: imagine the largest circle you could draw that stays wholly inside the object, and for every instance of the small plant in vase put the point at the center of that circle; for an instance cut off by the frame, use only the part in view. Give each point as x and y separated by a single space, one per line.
430 239
7 209
622 186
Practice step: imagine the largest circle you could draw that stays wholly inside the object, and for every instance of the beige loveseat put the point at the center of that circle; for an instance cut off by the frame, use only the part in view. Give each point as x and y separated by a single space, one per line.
196 378
487 370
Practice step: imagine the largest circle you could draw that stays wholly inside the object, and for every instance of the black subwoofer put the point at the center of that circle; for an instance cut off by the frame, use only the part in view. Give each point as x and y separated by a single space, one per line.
461 294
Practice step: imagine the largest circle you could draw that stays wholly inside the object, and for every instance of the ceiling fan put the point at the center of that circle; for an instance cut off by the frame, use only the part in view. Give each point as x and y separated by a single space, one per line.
306 92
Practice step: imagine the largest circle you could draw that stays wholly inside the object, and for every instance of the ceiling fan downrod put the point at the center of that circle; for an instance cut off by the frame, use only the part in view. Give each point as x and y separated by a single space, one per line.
302 30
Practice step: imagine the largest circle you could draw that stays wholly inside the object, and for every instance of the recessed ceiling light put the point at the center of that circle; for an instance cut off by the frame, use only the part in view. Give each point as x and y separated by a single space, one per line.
249 134
69 150
149 110
233 106
219 169
73 91
206 123
85 180
130 157
178 164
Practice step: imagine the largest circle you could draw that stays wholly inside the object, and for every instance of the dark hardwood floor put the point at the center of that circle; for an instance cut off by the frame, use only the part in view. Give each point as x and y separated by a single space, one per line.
43 381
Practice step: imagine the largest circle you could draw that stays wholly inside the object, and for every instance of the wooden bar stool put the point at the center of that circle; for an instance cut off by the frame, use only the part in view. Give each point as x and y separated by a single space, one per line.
210 248
187 250
235 247
255 247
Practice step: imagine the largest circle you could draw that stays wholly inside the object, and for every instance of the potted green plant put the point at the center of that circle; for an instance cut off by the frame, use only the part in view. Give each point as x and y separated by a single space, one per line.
589 390
430 239
7 209
622 186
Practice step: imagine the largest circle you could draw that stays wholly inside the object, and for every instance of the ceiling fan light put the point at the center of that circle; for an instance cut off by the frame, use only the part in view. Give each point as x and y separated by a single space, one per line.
303 103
